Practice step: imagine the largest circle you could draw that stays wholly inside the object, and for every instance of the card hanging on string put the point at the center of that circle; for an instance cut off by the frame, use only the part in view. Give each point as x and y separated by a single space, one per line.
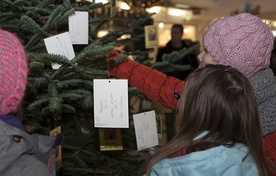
111 103
54 132
113 8
60 44
78 27
159 124
84 0
110 139
151 36
145 130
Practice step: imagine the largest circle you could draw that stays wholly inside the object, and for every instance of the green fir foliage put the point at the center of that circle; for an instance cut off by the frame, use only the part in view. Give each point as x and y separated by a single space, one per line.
168 60
64 96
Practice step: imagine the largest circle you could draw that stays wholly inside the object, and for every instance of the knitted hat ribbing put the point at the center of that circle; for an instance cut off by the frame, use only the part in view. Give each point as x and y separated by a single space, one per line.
241 41
13 72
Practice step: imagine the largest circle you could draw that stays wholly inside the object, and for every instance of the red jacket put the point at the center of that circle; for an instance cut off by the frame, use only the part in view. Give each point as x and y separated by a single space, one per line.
152 83
160 88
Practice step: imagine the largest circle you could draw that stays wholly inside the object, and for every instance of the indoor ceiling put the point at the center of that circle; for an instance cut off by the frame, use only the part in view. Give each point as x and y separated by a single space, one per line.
205 12
218 8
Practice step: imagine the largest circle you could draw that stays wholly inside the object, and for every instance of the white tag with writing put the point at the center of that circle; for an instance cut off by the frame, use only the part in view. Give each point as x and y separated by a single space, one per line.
78 27
60 44
111 103
145 130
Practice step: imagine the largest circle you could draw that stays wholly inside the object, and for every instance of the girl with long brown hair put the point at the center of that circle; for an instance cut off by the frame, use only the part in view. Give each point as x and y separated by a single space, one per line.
242 41
218 129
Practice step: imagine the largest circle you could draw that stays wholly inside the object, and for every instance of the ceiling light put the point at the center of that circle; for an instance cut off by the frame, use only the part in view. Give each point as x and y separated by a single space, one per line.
273 23
101 1
123 5
154 9
177 12
274 33
161 25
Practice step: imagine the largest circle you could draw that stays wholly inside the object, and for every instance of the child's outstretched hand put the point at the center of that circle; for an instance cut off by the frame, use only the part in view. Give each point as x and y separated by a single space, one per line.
114 60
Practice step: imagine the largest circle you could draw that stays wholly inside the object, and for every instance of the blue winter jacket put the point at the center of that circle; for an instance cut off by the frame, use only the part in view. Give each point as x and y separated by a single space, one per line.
217 161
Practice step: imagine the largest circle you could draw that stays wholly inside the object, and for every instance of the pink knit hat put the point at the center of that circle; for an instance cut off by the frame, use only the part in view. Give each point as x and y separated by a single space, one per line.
241 41
13 72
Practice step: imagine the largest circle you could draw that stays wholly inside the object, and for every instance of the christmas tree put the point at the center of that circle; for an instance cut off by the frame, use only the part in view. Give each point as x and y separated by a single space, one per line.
64 96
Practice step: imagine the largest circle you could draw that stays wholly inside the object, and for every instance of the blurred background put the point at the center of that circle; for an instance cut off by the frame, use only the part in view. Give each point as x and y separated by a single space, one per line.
195 15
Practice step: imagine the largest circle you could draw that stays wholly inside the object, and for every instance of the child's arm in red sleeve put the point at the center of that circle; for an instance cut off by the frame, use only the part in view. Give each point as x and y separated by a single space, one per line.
152 83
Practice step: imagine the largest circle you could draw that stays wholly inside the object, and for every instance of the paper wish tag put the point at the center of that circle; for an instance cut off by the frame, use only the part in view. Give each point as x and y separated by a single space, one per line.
159 124
145 130
110 139
151 36
58 153
78 27
111 103
113 8
60 44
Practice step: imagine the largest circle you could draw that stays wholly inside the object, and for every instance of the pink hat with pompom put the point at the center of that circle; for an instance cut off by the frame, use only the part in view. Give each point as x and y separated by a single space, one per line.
241 41
13 72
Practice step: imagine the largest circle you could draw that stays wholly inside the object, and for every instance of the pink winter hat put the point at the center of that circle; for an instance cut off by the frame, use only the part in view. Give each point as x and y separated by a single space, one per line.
13 72
241 41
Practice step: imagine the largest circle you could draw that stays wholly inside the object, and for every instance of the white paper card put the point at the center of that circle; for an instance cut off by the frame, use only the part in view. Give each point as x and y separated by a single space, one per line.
111 103
78 27
60 44
145 130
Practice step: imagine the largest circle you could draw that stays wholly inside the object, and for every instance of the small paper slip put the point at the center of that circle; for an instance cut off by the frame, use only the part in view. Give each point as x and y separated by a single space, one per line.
58 153
151 36
113 8
78 27
111 103
145 130
60 44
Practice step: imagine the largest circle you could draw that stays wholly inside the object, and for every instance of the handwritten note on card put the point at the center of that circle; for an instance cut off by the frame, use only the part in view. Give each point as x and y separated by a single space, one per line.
60 44
111 103
78 27
145 130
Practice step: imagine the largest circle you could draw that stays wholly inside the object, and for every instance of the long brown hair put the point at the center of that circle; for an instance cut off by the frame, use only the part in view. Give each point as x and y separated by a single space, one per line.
220 100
